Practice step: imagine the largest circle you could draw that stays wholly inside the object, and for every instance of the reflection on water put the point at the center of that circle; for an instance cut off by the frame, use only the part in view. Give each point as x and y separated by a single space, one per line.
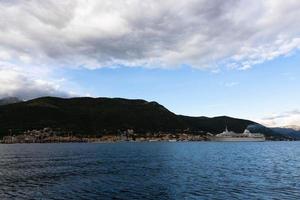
191 170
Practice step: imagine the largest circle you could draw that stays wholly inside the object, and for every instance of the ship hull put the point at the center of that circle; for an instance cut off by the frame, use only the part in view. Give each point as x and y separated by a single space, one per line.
238 139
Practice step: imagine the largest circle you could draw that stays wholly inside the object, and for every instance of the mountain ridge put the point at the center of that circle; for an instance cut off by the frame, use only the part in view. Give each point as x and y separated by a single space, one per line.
102 115
288 131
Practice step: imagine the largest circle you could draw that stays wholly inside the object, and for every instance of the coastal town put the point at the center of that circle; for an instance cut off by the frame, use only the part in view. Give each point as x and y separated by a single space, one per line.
47 135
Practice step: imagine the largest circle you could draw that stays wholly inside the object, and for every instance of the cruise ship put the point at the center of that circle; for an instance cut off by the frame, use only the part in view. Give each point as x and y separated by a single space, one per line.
247 136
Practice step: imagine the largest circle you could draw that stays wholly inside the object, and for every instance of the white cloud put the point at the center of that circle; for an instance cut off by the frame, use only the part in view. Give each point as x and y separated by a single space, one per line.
206 34
287 118
203 34
16 82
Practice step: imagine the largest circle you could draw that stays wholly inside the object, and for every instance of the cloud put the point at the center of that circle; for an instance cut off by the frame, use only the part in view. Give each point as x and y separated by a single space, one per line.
231 84
38 37
15 82
287 118
202 34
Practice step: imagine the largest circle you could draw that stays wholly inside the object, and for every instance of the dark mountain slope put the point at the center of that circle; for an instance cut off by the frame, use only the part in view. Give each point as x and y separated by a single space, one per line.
289 132
88 115
216 124
106 115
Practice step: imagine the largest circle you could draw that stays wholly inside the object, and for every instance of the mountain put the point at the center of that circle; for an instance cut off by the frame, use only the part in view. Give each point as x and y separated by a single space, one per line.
216 124
288 131
294 127
268 132
9 100
96 116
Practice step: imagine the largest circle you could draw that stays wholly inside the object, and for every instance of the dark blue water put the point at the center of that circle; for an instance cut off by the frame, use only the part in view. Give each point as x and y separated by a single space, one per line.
192 170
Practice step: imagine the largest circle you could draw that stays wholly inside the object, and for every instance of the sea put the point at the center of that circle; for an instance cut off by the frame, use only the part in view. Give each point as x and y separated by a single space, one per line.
151 170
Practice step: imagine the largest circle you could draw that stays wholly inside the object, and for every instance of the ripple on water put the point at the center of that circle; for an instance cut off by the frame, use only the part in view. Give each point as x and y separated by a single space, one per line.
189 170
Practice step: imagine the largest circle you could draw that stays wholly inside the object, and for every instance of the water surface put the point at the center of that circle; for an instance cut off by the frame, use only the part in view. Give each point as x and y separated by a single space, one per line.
157 170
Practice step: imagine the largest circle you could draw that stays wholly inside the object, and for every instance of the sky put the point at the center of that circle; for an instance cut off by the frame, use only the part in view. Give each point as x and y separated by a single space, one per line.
238 58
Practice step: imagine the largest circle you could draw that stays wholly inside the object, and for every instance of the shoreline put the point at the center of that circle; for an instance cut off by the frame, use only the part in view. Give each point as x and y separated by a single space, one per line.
49 136
161 141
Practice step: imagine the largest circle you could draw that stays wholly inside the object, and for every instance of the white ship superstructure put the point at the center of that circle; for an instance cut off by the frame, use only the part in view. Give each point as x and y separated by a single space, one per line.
246 136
